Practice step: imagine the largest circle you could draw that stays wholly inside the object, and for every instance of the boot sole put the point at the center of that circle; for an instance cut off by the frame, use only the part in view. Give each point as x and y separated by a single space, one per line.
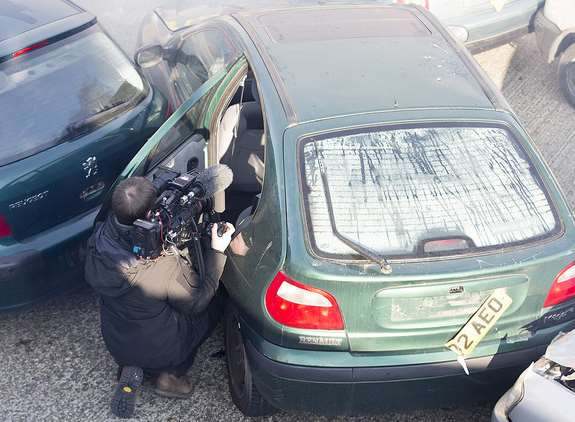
124 398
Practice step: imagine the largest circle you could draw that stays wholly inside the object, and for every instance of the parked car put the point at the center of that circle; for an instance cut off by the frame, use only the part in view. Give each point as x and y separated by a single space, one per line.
383 190
74 111
555 31
479 24
484 24
546 390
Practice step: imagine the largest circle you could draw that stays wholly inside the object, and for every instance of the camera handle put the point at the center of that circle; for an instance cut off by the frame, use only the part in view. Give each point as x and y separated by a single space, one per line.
197 250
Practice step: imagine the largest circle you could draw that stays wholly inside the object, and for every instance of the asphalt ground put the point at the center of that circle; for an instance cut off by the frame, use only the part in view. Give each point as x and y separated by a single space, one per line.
53 363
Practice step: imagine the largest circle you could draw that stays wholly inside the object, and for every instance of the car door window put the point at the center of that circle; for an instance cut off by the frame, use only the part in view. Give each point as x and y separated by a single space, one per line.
201 55
191 121
184 128
193 117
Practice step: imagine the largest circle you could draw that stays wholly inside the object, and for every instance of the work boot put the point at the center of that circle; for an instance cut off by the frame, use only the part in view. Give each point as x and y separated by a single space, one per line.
124 398
170 385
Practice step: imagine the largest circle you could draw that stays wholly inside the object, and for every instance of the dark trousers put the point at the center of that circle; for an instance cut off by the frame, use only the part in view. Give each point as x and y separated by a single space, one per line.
202 325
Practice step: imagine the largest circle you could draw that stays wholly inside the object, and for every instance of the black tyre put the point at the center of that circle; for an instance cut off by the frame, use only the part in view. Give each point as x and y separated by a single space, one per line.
567 74
242 389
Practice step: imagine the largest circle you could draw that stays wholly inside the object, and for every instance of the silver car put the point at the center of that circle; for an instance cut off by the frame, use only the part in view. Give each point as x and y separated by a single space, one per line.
546 390
555 31
483 24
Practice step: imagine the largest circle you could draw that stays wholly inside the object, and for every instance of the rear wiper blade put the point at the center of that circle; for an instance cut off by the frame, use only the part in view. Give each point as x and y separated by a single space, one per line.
81 126
384 265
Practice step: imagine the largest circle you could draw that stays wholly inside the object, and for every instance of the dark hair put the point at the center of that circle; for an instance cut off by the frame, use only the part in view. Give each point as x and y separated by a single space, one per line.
132 199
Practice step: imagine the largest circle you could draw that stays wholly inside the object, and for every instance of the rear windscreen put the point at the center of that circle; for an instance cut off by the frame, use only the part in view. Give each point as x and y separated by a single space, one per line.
62 91
395 191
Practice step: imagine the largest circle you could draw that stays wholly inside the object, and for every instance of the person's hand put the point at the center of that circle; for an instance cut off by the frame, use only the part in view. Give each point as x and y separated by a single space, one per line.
220 243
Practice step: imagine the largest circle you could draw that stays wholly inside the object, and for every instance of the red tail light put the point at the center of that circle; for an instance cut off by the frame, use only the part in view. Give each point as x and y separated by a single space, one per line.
5 229
296 305
563 287
30 48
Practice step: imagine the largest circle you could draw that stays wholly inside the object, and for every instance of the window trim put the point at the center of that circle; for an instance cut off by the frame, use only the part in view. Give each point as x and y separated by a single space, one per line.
140 163
204 89
190 32
220 114
309 234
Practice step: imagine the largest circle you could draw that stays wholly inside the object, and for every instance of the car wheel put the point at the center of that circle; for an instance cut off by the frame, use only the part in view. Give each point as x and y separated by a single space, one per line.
567 74
241 383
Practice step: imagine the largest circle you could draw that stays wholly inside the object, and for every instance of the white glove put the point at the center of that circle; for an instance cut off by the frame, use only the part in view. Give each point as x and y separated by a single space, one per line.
220 243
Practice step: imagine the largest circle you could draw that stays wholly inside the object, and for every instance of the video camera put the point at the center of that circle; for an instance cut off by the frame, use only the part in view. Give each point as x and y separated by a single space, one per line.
183 211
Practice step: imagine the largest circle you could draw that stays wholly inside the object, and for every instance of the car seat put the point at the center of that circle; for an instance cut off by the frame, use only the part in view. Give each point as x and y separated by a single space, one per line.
240 144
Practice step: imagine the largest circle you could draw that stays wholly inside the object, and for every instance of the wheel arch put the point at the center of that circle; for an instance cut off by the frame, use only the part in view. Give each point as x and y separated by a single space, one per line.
561 43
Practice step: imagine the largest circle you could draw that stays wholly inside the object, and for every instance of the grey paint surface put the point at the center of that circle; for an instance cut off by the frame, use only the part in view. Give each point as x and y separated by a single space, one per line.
544 400
561 350
542 396
54 364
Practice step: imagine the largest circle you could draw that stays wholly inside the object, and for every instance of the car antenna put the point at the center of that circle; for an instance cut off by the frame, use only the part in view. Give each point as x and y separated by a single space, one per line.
384 265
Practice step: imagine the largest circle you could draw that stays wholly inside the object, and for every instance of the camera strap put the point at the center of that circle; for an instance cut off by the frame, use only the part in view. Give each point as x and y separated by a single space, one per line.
197 251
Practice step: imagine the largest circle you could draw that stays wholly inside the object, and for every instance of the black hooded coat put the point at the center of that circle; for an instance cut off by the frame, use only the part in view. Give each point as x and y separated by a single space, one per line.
149 308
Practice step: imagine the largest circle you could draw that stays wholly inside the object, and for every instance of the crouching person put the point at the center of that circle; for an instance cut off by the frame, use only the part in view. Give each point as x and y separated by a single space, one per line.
154 314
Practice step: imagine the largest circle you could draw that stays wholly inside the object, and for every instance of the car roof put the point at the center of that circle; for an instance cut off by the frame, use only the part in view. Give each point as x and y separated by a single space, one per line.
341 60
26 22
18 16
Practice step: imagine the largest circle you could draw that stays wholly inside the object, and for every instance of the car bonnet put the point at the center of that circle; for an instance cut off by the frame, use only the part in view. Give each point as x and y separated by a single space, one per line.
561 350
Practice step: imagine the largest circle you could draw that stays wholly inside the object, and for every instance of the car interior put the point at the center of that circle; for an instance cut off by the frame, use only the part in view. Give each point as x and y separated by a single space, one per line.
239 137
240 145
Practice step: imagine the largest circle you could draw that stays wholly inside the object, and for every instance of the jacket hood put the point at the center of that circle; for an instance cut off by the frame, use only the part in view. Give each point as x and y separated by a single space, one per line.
110 265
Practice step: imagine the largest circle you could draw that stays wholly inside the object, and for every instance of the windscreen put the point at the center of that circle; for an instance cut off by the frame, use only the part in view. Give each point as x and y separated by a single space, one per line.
62 91
394 190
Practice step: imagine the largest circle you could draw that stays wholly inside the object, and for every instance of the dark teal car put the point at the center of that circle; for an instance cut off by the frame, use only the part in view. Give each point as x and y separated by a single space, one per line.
73 112
391 211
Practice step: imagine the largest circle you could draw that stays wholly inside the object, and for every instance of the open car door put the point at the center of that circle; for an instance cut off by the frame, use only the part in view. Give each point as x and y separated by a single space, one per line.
180 144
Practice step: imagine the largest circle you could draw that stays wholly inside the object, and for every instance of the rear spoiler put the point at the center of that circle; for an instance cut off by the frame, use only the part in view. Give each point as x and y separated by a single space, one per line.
44 35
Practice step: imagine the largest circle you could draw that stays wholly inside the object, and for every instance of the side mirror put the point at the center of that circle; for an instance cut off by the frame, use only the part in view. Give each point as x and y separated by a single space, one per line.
147 57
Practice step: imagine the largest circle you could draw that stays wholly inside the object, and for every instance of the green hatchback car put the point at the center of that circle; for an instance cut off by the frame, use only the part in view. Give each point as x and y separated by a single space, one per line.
73 112
383 192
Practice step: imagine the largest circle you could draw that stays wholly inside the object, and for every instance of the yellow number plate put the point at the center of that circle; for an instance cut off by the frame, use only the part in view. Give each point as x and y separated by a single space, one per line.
480 323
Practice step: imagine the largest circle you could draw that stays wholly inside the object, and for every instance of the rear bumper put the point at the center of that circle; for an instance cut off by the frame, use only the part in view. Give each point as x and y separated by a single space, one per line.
546 33
490 29
44 265
476 47
327 390
343 382
387 374
288 382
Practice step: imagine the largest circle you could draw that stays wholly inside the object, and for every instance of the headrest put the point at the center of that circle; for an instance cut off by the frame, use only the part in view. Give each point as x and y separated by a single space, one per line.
252 115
